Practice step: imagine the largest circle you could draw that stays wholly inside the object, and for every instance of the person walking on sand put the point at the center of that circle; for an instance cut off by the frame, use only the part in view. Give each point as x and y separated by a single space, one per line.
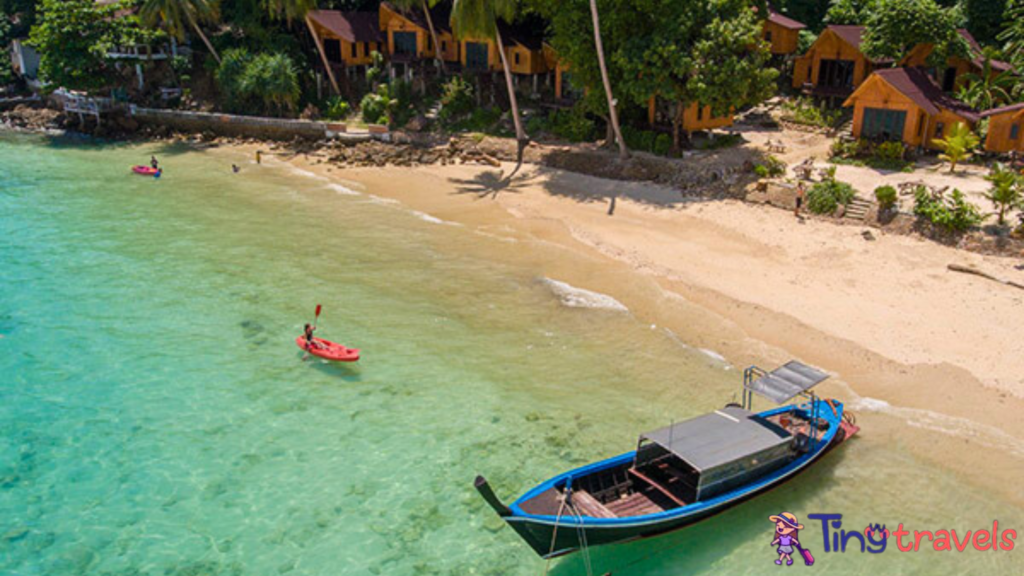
800 194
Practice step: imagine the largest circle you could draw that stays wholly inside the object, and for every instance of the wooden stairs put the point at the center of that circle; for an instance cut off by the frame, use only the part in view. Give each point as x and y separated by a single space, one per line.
857 209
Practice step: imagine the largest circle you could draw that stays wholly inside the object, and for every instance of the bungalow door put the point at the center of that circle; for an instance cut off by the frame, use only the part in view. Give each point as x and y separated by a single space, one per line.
476 56
881 124
332 49
405 43
836 73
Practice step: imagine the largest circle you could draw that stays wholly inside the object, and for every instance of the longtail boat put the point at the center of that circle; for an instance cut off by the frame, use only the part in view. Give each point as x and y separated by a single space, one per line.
686 472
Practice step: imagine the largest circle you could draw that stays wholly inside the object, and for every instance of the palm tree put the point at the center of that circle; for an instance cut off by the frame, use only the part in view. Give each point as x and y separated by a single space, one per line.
612 114
426 6
176 15
986 90
290 9
1006 190
479 19
957 145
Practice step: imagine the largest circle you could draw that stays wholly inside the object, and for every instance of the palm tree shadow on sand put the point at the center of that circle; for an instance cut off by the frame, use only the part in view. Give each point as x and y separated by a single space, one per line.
491 183
700 548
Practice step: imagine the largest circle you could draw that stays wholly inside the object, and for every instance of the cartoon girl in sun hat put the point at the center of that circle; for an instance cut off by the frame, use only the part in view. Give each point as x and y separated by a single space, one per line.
786 532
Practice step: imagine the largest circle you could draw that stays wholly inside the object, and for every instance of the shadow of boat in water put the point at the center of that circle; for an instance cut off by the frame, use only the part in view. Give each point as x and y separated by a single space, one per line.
347 371
698 548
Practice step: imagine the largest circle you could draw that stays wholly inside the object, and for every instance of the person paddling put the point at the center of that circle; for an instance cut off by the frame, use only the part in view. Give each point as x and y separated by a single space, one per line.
153 163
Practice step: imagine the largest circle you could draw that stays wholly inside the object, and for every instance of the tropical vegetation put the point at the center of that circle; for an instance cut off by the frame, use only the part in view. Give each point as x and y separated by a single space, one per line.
1007 191
958 145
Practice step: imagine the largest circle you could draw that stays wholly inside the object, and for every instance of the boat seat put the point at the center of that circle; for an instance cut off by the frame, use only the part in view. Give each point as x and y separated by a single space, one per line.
590 506
668 493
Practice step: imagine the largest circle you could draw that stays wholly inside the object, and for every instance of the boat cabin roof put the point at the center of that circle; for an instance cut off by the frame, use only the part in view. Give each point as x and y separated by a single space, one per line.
787 381
719 438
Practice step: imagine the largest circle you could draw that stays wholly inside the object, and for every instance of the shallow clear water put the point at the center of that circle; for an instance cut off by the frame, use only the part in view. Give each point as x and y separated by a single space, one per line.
155 417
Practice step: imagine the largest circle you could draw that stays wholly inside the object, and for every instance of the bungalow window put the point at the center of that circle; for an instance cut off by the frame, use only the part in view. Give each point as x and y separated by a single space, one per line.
476 56
836 73
517 58
700 112
355 49
405 43
768 36
940 129
332 50
1014 131
444 46
881 124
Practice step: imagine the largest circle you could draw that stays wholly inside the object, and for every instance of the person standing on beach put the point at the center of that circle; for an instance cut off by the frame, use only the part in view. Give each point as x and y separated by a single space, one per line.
800 194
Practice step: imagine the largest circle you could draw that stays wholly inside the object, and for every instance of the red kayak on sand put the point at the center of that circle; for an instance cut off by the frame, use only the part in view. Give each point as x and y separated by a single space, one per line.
329 350
146 170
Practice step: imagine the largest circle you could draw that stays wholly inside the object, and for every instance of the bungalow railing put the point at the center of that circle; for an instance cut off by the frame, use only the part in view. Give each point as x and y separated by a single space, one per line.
139 52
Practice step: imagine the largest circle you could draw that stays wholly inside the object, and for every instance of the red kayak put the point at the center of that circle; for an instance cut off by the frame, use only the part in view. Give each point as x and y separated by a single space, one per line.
329 350
146 171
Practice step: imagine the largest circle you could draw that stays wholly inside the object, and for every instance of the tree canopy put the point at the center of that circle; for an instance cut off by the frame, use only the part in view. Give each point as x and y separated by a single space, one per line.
895 27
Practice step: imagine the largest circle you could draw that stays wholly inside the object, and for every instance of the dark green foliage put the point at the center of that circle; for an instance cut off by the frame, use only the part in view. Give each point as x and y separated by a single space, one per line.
456 99
810 12
1012 37
6 73
771 167
984 18
574 125
267 83
805 40
73 36
894 27
881 156
954 214
886 196
849 11
825 196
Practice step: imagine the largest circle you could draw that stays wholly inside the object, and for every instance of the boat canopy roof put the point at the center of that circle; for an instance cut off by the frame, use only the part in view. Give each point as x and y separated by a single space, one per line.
787 381
719 438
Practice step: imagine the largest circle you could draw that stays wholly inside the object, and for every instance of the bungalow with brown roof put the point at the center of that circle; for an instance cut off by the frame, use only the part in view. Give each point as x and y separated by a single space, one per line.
345 40
834 65
782 32
1005 128
951 77
407 33
905 104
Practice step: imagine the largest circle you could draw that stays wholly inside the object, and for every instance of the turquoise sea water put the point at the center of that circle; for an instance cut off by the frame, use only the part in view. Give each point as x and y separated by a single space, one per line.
155 417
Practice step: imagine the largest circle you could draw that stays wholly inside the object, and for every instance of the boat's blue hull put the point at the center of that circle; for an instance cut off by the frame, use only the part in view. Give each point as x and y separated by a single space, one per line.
556 535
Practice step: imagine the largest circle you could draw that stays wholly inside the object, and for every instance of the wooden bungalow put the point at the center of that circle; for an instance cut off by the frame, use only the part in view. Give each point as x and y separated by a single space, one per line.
951 78
905 104
834 65
694 117
345 41
1005 129
407 34
782 32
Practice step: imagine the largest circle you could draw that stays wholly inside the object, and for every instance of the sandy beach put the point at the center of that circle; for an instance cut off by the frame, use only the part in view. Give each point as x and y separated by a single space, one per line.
933 355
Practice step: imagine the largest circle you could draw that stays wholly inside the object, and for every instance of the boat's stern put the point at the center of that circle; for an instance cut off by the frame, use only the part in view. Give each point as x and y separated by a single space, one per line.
531 535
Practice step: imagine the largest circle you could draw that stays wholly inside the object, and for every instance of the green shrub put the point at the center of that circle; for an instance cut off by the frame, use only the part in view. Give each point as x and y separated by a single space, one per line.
953 215
772 167
267 82
336 109
803 111
456 99
886 196
890 151
573 125
229 76
662 144
825 196
376 107
761 170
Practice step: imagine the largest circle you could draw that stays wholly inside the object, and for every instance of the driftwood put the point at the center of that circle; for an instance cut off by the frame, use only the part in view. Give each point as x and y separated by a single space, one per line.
976 272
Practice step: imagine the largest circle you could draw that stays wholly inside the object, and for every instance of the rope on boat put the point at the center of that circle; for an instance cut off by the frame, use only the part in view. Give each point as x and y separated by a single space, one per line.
554 533
581 534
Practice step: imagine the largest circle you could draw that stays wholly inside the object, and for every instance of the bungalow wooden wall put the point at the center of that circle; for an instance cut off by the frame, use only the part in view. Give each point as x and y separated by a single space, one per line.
691 122
522 60
784 40
999 126
363 49
829 47
449 47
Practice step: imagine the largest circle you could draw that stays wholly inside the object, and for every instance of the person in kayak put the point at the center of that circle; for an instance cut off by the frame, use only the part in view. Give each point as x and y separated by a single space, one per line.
153 163
310 342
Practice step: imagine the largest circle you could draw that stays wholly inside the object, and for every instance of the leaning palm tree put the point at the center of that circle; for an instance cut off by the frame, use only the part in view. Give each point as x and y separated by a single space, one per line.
479 19
612 114
177 15
425 5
